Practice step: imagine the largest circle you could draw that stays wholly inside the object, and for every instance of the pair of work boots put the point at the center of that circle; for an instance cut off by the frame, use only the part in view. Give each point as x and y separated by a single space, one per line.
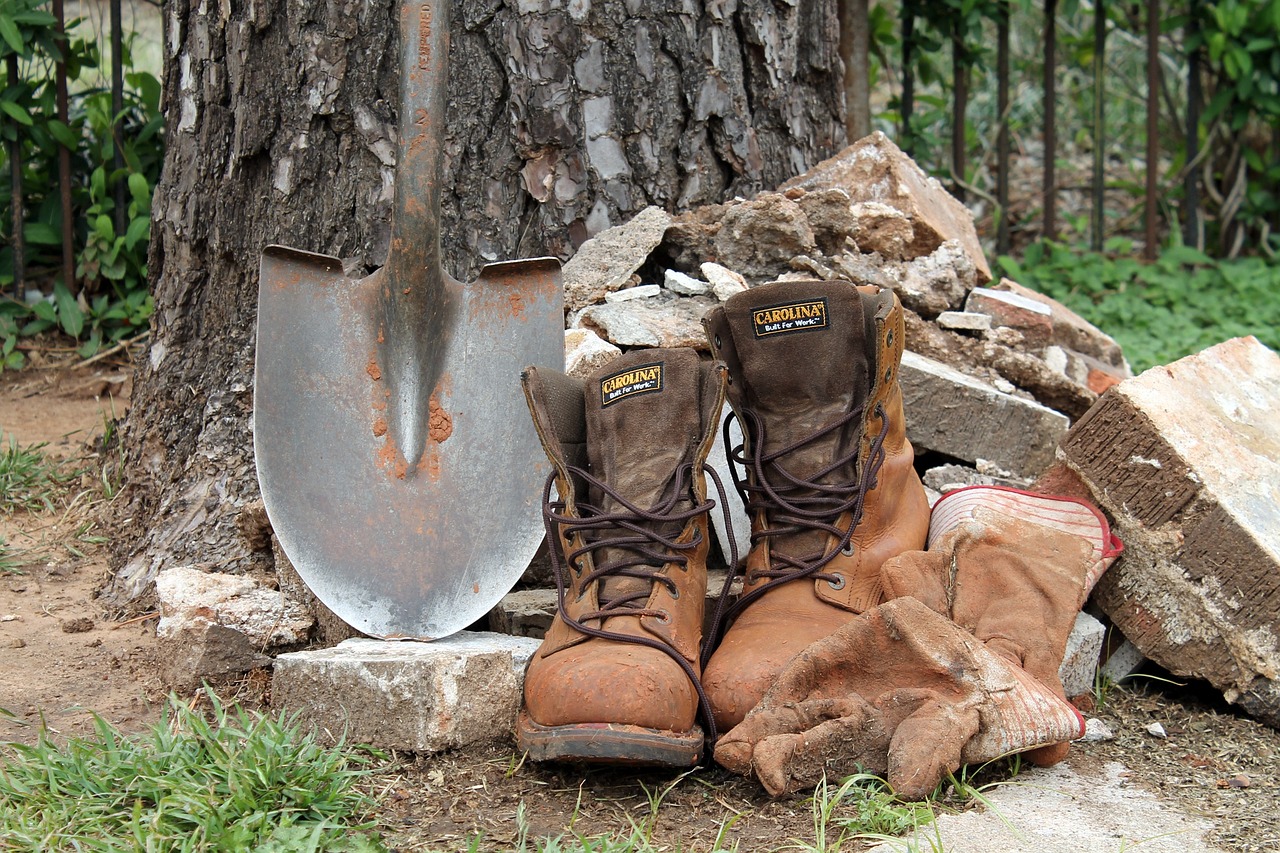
811 370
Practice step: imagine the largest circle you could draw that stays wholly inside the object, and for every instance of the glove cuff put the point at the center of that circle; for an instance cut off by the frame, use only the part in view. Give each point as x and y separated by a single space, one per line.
1069 515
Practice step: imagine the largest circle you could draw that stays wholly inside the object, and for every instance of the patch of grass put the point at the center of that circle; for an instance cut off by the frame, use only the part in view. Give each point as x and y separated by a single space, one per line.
1158 312
30 480
240 781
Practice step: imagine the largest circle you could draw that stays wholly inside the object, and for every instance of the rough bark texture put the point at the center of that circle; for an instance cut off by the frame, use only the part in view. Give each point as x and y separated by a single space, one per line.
565 117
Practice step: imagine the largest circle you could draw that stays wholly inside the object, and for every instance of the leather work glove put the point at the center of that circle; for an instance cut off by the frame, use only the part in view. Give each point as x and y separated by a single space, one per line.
904 690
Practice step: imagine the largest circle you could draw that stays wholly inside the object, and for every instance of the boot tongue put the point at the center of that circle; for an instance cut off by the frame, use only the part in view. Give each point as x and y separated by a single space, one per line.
805 351
643 421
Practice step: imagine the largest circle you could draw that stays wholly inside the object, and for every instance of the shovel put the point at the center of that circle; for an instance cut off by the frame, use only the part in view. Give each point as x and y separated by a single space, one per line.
397 464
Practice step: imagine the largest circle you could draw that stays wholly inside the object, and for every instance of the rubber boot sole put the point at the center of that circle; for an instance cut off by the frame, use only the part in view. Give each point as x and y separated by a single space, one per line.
609 743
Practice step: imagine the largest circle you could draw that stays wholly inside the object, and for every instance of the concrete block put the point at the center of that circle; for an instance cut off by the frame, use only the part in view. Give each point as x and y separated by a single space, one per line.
585 352
1186 460
1123 662
463 690
873 169
1080 663
1071 331
964 321
640 291
684 284
952 413
608 260
1030 317
192 600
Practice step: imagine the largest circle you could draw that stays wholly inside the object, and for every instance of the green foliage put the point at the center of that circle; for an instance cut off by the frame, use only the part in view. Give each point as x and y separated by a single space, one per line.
1157 312
241 782
108 299
30 480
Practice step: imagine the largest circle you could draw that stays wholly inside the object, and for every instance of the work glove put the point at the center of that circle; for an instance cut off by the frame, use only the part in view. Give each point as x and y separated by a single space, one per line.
960 668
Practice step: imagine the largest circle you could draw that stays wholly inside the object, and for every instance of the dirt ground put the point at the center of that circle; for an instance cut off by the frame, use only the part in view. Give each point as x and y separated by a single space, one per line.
61 661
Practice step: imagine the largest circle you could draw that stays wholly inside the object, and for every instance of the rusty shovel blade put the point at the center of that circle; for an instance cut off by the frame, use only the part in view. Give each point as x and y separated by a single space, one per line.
398 465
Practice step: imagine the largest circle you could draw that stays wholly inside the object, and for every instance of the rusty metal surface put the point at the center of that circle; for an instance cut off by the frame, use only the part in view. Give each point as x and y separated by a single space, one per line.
397 462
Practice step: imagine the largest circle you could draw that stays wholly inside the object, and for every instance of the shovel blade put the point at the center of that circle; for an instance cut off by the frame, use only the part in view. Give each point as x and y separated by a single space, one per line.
402 549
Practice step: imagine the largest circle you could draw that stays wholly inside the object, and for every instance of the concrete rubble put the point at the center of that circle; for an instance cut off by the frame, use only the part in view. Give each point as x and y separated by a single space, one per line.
1001 385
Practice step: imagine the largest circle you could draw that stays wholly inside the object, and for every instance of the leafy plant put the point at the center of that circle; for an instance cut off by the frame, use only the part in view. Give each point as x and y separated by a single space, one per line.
1157 312
30 480
240 781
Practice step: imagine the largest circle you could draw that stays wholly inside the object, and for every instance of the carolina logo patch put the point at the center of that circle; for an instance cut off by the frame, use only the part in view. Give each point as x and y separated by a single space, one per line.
802 316
645 379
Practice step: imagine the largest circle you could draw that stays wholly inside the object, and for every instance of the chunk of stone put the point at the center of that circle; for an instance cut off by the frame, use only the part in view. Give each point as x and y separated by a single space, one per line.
685 284
724 281
626 294
1096 731
463 690
830 216
1185 458
663 321
190 598
882 229
1032 318
936 282
1080 662
607 261
585 351
873 169
758 238
964 321
1071 331
965 418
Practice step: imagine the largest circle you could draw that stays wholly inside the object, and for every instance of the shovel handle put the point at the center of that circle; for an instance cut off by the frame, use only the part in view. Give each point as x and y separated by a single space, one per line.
424 83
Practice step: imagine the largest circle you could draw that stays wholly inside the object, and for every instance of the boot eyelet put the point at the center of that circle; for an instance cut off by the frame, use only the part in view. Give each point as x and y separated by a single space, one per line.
888 338
717 342
848 549
888 375
664 617
838 583
675 594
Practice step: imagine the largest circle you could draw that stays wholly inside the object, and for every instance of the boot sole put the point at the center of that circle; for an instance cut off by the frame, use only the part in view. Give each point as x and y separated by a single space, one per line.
609 743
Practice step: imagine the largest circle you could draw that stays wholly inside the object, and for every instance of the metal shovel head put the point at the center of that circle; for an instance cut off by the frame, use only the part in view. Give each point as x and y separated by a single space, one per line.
402 544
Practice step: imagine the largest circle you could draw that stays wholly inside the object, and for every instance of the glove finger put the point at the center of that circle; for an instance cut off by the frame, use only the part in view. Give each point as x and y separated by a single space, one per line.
1047 756
927 745
835 748
734 751
923 575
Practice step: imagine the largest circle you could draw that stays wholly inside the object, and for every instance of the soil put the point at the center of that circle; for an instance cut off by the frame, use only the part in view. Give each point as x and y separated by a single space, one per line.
62 662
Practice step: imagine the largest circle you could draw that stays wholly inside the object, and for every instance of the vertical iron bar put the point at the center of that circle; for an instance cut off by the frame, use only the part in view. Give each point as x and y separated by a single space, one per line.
15 183
64 158
1050 187
960 82
908 75
1002 139
1099 117
117 111
1153 125
1191 187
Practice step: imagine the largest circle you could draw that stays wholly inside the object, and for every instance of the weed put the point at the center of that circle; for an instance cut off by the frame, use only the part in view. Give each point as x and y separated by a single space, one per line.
30 480
239 781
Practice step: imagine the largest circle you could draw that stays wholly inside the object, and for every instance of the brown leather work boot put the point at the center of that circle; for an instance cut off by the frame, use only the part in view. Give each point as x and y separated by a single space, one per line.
829 484
617 676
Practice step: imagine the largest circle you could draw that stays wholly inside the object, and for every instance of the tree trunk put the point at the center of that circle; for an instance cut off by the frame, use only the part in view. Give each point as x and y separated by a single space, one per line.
565 117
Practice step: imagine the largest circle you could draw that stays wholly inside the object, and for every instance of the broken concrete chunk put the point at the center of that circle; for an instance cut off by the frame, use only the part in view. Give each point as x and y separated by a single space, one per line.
584 352
882 229
963 321
640 291
190 598
1071 331
463 690
965 418
1080 662
607 261
684 284
663 321
1032 318
935 282
758 238
1186 460
830 216
724 281
873 169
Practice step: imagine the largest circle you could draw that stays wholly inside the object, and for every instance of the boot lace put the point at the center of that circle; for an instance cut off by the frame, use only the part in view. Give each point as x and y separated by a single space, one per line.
793 504
640 549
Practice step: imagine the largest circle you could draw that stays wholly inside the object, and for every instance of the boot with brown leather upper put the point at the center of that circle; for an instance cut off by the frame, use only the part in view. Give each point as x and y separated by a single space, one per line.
617 677
828 480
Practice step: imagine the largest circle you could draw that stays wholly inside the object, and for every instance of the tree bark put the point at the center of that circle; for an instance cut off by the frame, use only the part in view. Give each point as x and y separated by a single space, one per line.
565 117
